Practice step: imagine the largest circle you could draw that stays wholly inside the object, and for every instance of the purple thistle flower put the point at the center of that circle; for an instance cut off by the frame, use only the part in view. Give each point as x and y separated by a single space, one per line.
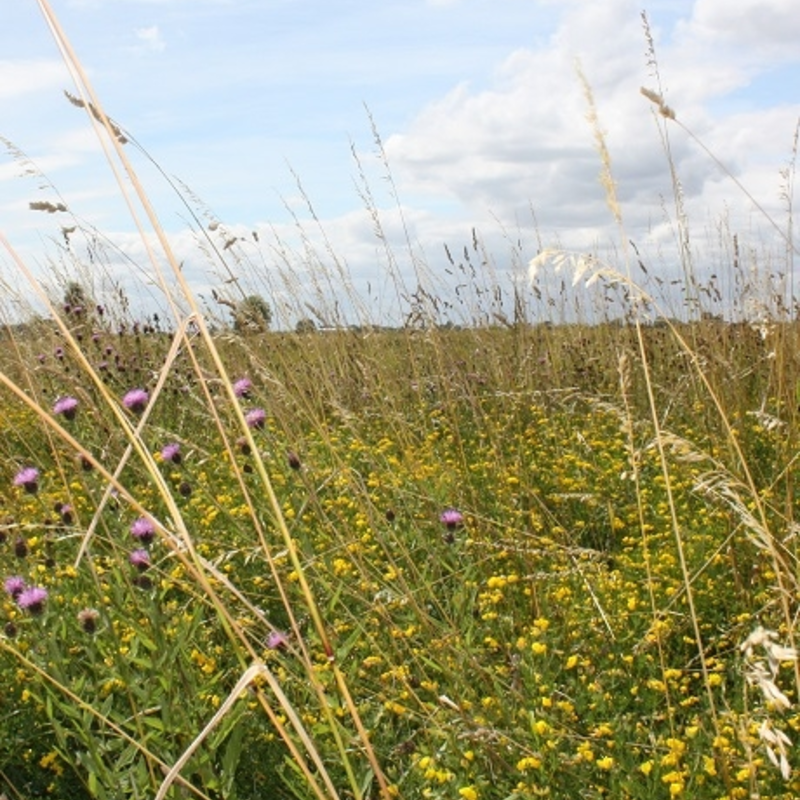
451 518
15 586
171 452
136 400
140 559
32 599
28 479
277 640
66 406
242 387
143 530
255 418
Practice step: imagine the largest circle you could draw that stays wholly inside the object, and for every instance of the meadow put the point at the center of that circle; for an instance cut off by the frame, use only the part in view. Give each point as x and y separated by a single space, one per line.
526 586
501 559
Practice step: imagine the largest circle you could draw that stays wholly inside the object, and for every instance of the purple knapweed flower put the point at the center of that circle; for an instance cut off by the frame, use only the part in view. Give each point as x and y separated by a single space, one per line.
136 400
171 452
32 599
66 406
242 387
28 479
451 518
144 530
15 586
255 418
277 640
140 559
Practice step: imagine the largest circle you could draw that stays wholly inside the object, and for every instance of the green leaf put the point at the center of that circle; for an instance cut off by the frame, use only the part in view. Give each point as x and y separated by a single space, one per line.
230 759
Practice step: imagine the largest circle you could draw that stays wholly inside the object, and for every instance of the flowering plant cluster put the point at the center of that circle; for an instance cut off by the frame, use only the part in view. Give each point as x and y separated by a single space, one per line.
502 568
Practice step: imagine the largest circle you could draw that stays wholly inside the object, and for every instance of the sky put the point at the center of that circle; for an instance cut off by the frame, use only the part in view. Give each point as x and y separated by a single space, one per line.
302 126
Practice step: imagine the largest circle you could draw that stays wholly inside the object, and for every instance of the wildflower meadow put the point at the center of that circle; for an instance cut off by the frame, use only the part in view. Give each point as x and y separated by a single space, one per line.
510 557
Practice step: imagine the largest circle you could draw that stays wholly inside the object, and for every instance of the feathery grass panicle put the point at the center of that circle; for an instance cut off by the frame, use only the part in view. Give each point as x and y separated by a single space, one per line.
606 173
658 100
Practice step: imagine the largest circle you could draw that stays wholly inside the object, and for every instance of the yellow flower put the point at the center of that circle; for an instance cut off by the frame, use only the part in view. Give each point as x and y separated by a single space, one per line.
468 793
743 775
605 763
541 727
675 781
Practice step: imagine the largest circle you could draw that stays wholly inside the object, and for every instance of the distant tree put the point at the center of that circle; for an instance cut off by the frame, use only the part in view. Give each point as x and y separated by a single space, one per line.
76 297
252 314
305 325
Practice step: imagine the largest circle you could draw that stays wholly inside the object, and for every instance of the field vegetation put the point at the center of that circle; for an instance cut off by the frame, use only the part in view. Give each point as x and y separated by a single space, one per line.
491 553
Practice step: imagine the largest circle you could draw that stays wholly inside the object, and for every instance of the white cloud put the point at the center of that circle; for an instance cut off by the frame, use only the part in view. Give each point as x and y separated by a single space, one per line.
769 27
526 141
150 39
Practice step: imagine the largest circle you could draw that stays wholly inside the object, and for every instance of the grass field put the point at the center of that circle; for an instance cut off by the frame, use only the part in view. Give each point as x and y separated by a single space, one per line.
493 560
576 628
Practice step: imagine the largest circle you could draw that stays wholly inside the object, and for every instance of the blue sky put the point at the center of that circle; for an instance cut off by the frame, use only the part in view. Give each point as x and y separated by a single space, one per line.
478 105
